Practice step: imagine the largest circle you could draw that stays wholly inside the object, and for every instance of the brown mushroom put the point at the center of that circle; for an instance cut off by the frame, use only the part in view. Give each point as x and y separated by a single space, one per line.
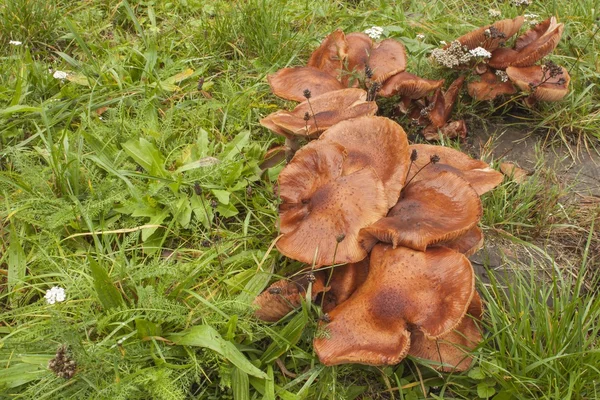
429 211
387 58
530 47
344 281
451 352
468 243
430 291
359 49
451 130
377 142
441 105
544 83
273 157
409 86
519 175
490 37
330 55
284 295
489 87
290 83
477 172
322 210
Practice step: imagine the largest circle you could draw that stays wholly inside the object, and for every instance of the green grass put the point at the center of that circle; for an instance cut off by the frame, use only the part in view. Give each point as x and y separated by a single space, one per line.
139 192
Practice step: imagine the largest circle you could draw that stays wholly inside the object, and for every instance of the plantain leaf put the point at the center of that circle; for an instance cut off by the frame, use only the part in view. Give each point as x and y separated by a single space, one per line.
240 384
107 293
288 337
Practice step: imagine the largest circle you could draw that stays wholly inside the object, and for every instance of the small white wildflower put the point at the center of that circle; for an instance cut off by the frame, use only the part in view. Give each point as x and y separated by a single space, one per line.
15 43
502 75
443 42
456 54
530 16
521 2
534 22
480 52
62 75
374 32
494 13
420 36
55 295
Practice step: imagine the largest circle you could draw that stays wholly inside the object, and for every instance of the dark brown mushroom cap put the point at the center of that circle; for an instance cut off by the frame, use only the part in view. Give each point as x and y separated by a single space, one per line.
430 291
489 87
290 83
545 88
387 58
284 295
443 103
477 172
451 352
377 142
344 281
468 243
530 47
408 85
330 55
429 211
320 207
324 111
359 49
479 38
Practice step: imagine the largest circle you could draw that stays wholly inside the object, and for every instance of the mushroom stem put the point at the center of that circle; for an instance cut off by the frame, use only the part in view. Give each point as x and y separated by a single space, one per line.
292 144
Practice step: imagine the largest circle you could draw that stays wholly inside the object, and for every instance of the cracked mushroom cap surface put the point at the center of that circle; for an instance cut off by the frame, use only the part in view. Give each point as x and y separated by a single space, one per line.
329 56
322 210
451 352
489 87
387 58
477 172
429 211
546 88
290 83
377 142
323 111
408 85
480 37
404 288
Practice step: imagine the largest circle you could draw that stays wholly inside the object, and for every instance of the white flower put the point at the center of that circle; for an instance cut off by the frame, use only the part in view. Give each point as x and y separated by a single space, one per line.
62 75
494 13
55 294
443 42
374 32
480 52
521 2
502 75
420 36
15 43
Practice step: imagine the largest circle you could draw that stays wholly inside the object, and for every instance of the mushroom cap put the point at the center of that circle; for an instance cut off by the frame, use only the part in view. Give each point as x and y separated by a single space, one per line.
327 110
408 85
451 351
285 295
489 87
552 88
443 103
430 211
344 281
359 49
320 205
450 130
290 83
478 38
377 142
519 175
468 243
273 157
330 55
430 291
477 172
387 58
530 47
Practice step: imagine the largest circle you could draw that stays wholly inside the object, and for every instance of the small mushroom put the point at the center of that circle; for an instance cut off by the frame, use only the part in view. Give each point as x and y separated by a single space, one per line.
409 86
429 211
489 87
544 83
377 142
330 55
477 172
451 352
404 288
291 83
323 210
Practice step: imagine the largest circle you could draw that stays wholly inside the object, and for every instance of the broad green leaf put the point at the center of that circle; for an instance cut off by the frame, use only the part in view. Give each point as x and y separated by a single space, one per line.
227 211
78 79
256 285
183 211
261 385
17 264
287 338
107 293
202 211
20 374
476 373
240 384
146 328
201 163
19 109
179 77
234 147
146 155
269 393
206 336
484 391
221 195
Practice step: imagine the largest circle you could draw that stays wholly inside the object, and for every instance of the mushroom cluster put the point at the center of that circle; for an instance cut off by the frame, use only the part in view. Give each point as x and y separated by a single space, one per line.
340 82
501 68
385 229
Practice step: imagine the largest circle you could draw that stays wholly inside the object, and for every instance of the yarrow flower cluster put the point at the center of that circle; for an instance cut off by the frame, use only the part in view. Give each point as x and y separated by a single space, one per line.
15 43
480 52
521 2
420 36
374 32
456 54
55 295
531 18
494 13
502 75
62 75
